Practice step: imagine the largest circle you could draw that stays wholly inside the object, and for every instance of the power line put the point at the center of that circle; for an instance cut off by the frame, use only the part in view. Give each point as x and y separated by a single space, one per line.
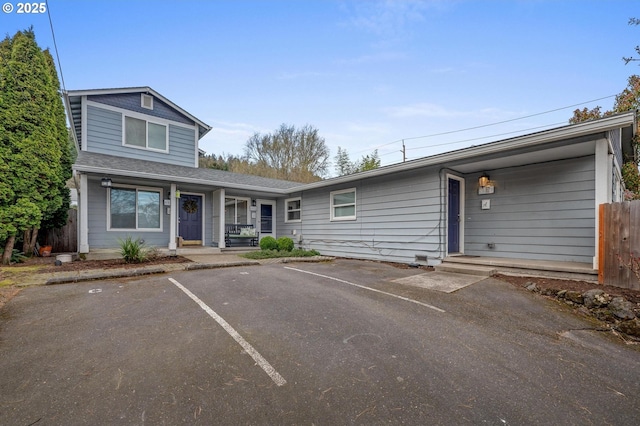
490 136
478 138
490 124
55 45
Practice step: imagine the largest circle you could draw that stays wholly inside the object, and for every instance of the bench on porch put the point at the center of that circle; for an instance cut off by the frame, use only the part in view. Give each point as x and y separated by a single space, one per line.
241 232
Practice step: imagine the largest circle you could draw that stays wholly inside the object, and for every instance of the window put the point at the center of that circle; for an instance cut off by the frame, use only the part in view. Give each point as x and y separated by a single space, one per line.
236 210
143 134
293 206
135 208
343 204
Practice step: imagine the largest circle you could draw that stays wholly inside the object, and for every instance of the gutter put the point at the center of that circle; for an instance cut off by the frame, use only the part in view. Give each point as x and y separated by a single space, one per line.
155 176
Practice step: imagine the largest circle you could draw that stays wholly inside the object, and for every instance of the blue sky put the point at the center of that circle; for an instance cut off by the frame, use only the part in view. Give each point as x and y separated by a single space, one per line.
367 74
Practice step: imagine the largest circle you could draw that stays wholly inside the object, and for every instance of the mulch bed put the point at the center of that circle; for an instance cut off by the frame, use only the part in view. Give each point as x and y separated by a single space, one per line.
82 265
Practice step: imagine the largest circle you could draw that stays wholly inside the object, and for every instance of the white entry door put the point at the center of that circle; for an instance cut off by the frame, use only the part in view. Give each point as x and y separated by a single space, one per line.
266 220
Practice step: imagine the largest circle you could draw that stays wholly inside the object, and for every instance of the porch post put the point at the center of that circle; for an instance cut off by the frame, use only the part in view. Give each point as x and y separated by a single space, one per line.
603 188
172 218
83 204
218 216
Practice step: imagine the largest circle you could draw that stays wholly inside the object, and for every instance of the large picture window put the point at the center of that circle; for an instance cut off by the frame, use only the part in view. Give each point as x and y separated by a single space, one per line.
343 204
135 208
144 134
293 207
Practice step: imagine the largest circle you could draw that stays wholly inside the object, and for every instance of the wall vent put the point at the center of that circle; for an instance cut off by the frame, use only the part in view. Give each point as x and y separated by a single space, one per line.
147 101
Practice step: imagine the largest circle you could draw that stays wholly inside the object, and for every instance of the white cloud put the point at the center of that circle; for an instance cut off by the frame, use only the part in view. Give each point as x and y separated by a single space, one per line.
388 18
373 58
303 74
431 110
423 110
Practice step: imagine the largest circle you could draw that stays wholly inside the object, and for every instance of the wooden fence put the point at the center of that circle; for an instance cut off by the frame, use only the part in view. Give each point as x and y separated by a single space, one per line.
619 250
65 239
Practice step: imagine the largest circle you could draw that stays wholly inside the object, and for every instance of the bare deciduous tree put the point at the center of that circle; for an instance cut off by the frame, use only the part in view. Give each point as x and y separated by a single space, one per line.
289 153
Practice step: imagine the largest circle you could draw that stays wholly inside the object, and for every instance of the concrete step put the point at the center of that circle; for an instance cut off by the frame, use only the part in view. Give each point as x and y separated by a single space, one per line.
460 268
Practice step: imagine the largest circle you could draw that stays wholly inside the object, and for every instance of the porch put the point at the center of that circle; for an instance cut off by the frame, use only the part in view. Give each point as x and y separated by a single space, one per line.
487 266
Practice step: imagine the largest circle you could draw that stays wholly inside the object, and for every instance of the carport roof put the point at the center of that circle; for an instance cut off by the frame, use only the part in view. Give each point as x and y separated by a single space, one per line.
110 165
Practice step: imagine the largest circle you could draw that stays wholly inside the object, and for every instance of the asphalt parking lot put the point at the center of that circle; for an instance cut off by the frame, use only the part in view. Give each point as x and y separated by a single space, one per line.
326 343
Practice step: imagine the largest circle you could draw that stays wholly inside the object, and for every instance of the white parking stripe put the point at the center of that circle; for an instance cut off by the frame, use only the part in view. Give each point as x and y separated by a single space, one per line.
367 288
259 359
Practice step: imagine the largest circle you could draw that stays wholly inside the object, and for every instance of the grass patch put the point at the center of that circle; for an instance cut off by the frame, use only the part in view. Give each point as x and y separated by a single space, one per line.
274 254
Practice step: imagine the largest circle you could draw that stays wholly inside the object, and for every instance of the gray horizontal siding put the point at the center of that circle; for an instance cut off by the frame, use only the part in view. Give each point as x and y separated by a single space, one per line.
544 211
132 102
104 136
397 219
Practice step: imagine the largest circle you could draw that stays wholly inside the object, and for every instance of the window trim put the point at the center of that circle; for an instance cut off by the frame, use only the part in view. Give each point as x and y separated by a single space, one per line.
146 121
335 218
286 210
137 188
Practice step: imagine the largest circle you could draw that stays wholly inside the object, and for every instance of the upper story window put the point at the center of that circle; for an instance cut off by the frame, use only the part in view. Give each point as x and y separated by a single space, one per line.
293 206
145 134
343 204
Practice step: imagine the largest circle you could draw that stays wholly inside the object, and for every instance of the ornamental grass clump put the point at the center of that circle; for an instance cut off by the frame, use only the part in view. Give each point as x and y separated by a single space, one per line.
133 251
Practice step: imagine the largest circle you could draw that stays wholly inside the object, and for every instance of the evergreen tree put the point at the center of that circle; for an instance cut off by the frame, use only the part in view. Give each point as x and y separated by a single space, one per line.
33 140
344 165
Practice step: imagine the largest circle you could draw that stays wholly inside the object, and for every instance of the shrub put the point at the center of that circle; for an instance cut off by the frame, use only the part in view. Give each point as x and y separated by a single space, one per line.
16 256
268 243
285 244
133 251
273 254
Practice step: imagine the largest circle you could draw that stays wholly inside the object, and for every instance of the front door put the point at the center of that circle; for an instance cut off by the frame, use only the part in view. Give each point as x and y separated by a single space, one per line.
453 216
266 220
190 229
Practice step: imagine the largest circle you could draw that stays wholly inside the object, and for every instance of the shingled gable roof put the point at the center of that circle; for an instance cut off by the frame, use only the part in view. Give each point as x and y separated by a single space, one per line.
73 103
110 165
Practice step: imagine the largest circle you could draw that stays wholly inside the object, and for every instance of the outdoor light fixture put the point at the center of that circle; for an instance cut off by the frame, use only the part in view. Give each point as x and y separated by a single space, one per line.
253 203
484 180
177 193
105 182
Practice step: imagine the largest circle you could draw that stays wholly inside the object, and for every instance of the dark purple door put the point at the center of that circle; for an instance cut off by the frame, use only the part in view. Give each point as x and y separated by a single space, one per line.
453 218
190 208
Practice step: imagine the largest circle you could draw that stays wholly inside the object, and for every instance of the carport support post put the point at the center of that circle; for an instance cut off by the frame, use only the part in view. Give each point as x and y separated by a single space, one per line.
172 218
603 187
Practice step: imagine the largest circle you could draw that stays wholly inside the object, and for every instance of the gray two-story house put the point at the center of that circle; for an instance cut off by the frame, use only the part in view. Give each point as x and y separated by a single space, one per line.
530 197
137 175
